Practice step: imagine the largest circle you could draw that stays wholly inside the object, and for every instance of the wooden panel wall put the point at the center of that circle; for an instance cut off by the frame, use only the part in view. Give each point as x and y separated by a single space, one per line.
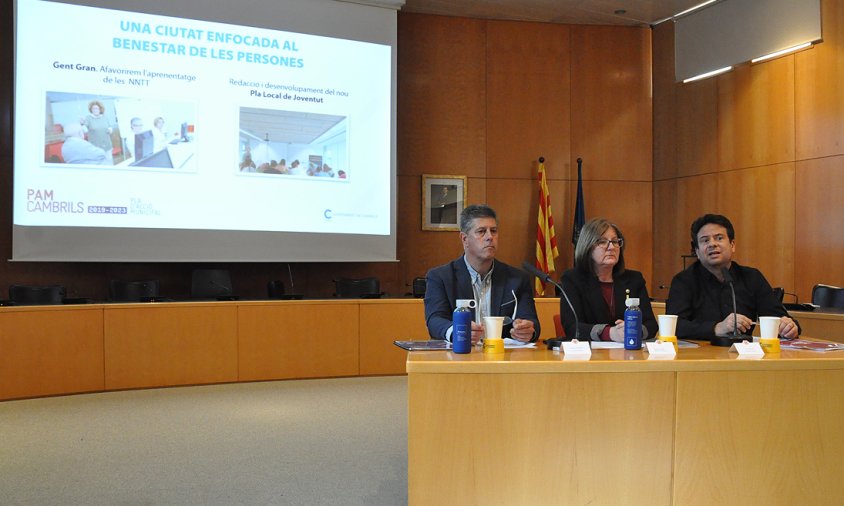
170 345
59 350
556 91
763 145
298 340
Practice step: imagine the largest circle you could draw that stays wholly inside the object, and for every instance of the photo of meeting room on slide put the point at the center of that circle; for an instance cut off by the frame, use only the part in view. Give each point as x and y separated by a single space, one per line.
299 145
121 132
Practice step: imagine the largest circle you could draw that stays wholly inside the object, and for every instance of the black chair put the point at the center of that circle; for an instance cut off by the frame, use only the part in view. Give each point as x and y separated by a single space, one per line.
133 291
275 289
212 284
418 287
363 288
828 296
32 295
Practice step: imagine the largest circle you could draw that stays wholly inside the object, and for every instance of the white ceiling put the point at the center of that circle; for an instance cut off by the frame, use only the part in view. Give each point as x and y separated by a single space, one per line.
286 127
580 12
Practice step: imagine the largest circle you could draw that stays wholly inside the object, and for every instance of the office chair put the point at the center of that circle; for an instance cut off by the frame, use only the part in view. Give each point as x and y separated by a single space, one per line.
418 288
275 289
31 295
363 288
133 291
212 284
828 296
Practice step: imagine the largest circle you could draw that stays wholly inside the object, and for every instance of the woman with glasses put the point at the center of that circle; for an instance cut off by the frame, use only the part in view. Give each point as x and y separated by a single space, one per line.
599 284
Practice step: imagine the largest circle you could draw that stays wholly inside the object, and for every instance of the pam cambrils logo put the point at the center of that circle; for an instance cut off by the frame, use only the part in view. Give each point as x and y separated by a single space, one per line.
45 201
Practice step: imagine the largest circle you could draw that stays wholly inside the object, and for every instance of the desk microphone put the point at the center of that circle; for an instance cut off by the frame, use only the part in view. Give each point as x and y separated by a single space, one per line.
290 273
554 343
737 338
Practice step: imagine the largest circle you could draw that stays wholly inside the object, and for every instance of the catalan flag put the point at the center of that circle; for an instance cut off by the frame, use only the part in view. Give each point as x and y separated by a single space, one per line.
546 240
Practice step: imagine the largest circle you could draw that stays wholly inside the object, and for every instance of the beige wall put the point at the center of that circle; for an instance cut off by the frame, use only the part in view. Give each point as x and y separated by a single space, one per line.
764 145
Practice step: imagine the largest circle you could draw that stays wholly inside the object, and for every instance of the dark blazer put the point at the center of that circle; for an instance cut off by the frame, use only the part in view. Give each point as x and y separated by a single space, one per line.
593 315
700 301
449 282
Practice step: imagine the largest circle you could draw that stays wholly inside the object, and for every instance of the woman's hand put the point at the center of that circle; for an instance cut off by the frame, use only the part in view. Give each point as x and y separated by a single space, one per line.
617 332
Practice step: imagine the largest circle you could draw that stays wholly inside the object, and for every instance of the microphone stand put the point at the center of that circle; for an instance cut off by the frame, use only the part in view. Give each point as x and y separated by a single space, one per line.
736 337
557 342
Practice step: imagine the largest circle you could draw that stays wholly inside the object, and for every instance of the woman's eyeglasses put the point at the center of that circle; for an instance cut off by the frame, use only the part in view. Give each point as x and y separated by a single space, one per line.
605 243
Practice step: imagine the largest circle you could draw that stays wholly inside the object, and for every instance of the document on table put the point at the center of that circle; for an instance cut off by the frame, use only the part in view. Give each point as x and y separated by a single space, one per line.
431 344
512 343
612 345
802 344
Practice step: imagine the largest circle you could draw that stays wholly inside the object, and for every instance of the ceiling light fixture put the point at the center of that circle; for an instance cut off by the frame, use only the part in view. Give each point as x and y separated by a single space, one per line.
708 74
781 52
692 9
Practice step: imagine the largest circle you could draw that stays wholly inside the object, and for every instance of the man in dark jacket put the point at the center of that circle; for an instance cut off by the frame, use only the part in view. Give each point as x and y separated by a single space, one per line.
497 288
700 295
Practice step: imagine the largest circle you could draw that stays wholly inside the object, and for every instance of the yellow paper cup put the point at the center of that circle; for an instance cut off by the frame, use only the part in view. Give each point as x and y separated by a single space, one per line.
494 346
670 339
770 345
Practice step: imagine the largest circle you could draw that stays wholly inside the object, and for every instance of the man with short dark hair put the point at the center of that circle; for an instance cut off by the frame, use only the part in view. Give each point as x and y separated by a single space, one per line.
497 288
77 150
700 295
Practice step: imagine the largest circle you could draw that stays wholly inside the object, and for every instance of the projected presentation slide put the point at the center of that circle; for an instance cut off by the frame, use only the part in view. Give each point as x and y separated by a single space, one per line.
134 120
317 139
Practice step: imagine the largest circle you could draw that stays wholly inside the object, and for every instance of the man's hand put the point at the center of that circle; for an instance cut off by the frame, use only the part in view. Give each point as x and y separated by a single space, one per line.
725 328
788 329
477 332
522 330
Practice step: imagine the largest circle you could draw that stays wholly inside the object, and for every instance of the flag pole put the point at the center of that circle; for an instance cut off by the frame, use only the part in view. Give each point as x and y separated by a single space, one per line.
579 211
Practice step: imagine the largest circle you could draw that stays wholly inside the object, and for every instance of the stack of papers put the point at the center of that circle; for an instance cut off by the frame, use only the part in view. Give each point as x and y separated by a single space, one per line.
801 344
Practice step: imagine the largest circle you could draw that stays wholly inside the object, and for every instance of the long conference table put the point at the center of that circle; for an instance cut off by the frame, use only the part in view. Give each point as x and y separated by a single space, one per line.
67 349
706 427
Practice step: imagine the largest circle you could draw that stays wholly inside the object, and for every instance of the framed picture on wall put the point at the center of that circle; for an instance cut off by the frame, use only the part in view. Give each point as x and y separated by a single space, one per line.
443 199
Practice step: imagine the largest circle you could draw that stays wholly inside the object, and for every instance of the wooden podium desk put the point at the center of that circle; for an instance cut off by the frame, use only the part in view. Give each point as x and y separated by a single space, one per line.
57 350
704 428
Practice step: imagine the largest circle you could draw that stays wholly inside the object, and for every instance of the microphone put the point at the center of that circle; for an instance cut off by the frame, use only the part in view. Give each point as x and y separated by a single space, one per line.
290 273
551 343
728 341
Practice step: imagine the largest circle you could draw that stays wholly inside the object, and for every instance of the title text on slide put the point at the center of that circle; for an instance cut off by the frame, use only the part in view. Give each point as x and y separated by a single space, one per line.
210 36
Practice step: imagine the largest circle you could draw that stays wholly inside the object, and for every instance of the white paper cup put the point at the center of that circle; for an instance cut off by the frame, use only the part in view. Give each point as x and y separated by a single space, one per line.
493 326
769 327
667 325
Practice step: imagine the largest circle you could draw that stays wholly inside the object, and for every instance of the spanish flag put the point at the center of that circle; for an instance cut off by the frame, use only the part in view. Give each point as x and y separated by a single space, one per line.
546 240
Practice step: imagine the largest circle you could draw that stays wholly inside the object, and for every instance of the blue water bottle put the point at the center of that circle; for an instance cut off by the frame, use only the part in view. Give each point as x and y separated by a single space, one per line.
461 330
632 325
